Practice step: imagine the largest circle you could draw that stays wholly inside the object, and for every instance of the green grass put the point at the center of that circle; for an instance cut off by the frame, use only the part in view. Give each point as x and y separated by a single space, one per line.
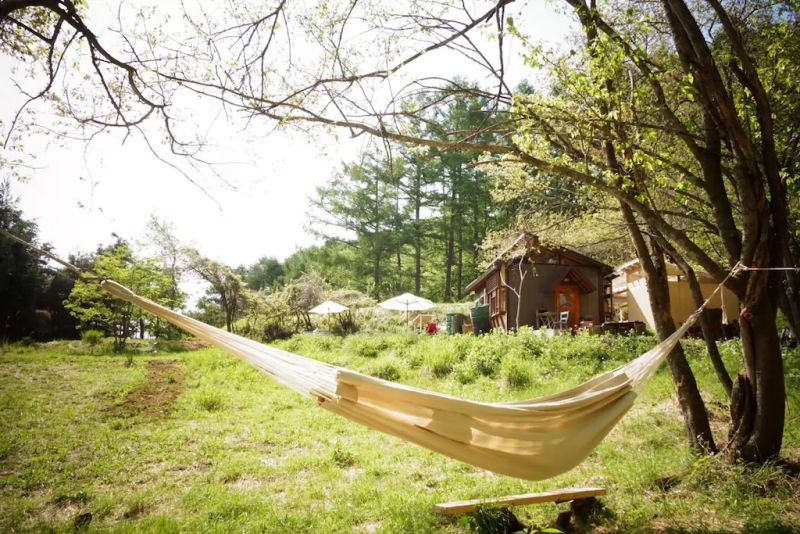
230 450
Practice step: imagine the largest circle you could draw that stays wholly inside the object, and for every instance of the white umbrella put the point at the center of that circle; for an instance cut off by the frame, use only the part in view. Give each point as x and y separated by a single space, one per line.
328 307
407 302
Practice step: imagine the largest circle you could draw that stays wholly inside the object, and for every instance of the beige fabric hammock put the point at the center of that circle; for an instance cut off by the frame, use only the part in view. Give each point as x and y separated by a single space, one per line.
533 440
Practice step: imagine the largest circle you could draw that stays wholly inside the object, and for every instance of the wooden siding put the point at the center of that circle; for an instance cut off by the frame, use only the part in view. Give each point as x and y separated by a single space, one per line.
537 293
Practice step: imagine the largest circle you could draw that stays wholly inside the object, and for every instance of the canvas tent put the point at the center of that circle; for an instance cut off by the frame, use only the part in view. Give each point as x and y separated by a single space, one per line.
631 300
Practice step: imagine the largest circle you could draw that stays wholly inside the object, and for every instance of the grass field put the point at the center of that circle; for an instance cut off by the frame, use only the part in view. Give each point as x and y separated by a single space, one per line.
195 440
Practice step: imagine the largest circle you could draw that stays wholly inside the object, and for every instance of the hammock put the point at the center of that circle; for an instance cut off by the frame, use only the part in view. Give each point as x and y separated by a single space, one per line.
533 439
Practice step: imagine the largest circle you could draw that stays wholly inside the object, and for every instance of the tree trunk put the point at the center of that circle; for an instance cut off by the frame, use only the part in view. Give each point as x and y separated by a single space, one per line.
759 398
789 300
399 265
417 257
398 231
448 268
417 232
460 260
376 276
655 273
699 430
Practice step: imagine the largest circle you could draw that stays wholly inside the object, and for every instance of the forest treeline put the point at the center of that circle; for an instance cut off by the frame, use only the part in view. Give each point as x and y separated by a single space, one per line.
399 219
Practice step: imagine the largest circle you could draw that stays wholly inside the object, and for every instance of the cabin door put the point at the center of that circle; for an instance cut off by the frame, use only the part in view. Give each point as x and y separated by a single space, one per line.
567 298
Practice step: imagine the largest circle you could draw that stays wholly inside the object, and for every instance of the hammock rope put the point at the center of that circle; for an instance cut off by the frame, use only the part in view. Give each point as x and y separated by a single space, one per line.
533 439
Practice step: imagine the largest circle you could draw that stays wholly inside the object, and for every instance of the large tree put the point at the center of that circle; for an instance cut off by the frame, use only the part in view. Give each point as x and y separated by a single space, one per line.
21 271
96 309
225 286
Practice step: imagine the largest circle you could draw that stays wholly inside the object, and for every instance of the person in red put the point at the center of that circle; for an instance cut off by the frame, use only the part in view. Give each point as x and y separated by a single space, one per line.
432 328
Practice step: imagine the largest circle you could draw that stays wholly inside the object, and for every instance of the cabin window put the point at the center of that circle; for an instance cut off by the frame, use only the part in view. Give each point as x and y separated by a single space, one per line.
497 301
495 295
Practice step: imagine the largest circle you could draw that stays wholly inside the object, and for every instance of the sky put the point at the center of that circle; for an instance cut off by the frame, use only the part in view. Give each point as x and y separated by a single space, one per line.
80 194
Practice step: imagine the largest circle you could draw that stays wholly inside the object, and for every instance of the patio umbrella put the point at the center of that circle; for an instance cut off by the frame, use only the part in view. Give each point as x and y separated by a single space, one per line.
328 307
407 302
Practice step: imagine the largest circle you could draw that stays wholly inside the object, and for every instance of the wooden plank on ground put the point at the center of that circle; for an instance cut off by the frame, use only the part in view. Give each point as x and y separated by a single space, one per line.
561 495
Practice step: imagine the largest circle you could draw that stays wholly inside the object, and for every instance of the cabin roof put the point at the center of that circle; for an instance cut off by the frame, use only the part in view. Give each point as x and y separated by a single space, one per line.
524 244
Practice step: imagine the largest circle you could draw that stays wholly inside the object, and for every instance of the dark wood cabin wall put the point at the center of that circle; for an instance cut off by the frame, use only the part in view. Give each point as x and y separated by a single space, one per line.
535 297
532 296
590 308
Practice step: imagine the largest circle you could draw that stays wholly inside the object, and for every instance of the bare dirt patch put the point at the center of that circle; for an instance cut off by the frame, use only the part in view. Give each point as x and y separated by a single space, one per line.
157 395
194 344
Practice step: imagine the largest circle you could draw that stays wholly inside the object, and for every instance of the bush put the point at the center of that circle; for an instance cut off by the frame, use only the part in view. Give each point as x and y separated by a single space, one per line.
366 346
464 373
351 298
531 344
344 324
516 374
342 457
441 361
583 347
388 368
92 337
276 330
482 361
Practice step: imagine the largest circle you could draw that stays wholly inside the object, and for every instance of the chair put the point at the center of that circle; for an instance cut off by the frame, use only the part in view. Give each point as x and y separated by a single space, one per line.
546 319
563 320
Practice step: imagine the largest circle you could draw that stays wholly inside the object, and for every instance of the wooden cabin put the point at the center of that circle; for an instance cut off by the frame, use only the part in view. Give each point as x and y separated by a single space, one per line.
550 280
631 300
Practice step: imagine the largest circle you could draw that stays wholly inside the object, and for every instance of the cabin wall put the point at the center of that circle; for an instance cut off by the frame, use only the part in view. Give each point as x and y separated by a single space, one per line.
537 293
591 307
531 296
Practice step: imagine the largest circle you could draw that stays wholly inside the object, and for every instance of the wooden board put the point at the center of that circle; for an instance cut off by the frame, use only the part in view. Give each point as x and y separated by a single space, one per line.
562 495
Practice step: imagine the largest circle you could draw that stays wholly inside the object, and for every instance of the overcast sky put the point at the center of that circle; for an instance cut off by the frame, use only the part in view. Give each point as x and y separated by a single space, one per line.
79 195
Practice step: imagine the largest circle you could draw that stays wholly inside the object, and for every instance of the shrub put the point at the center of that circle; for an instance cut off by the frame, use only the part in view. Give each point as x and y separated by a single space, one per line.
351 298
92 337
440 362
414 356
516 374
209 400
365 346
583 347
276 330
342 457
388 368
320 343
482 361
531 344
464 373
402 341
344 324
